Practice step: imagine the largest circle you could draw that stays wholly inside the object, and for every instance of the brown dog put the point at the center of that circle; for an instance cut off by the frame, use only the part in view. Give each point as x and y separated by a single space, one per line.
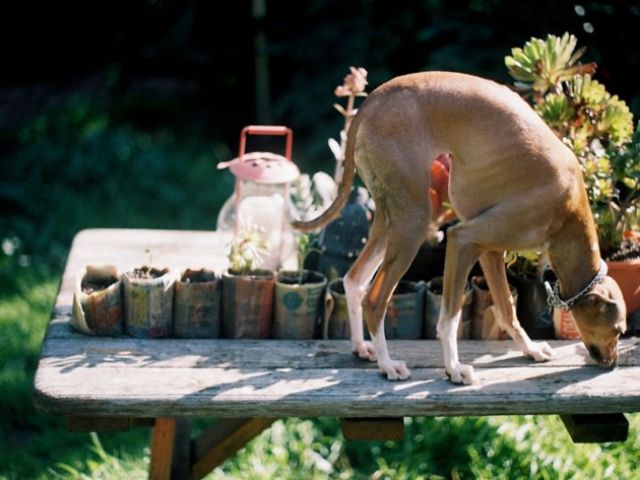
514 185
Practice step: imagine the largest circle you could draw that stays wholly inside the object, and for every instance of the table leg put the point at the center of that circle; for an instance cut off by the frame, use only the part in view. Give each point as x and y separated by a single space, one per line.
170 449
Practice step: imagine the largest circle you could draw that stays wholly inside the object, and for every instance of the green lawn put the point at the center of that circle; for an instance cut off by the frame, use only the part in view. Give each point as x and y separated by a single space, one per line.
76 167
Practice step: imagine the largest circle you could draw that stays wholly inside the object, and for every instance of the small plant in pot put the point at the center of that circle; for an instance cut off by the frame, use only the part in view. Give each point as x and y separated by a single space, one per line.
97 301
299 297
148 301
247 291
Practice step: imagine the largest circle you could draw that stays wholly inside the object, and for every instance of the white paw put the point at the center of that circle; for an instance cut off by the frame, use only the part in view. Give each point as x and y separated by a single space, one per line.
365 350
394 370
539 351
461 374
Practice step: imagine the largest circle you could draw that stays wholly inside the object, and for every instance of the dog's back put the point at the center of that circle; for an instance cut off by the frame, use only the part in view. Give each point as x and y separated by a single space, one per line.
500 146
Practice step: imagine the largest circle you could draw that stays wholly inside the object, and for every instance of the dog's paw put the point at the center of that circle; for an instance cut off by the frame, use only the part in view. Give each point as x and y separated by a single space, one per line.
540 352
461 374
394 370
365 350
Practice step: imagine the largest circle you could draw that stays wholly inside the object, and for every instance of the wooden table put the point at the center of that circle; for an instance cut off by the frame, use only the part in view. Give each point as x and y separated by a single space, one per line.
103 383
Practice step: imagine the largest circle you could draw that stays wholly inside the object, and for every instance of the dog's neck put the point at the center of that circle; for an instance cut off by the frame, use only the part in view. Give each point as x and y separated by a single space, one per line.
575 256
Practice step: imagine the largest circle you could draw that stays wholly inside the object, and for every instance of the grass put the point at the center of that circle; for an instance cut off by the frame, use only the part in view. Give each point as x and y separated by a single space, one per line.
75 167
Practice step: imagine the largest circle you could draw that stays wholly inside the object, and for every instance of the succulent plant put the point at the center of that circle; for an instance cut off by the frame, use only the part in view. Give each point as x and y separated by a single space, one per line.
596 125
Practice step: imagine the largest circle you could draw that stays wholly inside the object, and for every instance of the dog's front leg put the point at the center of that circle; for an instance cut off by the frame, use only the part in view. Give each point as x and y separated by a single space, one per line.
459 259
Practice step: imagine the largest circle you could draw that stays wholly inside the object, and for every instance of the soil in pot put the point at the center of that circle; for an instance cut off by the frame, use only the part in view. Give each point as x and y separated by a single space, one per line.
148 302
247 304
197 304
299 298
97 303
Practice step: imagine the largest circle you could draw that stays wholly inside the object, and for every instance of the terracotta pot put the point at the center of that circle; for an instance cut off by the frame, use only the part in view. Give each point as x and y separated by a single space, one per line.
433 303
148 303
197 305
97 301
405 312
564 326
627 274
298 306
247 304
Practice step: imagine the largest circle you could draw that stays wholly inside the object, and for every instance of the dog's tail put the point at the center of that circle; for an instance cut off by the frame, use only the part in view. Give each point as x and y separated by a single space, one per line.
344 188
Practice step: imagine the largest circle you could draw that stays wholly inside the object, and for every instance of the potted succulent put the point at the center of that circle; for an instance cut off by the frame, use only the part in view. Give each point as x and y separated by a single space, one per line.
97 301
299 297
247 291
597 126
619 221
197 304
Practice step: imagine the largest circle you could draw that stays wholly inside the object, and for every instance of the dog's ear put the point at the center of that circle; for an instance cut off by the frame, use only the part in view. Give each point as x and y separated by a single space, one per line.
599 302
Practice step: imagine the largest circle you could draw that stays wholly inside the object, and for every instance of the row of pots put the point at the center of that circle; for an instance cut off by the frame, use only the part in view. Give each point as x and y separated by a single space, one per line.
197 303
286 305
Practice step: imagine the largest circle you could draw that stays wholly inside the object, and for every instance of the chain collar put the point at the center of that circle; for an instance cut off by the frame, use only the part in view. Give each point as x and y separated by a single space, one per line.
553 294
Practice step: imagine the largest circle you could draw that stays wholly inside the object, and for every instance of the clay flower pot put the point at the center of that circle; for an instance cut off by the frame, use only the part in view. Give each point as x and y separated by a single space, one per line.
148 302
97 301
627 274
247 304
298 305
197 304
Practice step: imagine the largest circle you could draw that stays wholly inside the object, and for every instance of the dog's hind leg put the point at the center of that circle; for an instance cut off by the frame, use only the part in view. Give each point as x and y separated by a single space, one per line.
356 282
400 252
494 271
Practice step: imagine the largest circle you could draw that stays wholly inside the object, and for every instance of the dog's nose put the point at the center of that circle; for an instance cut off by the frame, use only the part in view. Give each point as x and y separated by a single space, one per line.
607 362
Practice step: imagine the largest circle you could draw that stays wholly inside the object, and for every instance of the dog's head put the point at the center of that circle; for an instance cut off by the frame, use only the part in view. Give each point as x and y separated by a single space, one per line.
601 319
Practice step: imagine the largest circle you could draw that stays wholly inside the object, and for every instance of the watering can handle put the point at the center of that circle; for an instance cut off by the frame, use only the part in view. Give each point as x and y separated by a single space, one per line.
266 130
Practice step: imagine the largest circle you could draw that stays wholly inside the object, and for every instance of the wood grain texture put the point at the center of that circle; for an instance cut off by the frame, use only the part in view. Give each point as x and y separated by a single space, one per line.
92 376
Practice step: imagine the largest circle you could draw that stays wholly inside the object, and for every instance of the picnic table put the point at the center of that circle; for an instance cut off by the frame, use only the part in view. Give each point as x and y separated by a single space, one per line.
103 383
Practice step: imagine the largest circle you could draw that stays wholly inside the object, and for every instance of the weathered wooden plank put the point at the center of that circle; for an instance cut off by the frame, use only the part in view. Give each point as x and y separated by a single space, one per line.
372 428
596 428
77 350
222 440
233 392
